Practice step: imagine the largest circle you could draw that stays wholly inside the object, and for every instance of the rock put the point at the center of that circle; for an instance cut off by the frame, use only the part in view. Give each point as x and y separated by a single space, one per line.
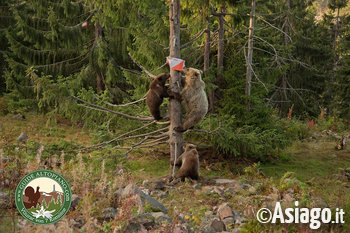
219 191
239 219
208 213
118 193
155 205
18 117
156 185
135 227
229 221
196 186
130 190
74 203
236 230
22 138
207 189
217 225
160 194
208 229
4 200
225 181
288 199
160 217
78 222
252 189
230 191
225 211
147 220
145 183
108 213
274 196
318 203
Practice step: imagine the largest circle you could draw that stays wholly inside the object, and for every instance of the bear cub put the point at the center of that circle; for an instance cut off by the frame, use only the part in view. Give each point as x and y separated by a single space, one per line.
157 91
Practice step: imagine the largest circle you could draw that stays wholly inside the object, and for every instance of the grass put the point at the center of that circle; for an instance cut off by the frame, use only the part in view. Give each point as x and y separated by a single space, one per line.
90 173
314 163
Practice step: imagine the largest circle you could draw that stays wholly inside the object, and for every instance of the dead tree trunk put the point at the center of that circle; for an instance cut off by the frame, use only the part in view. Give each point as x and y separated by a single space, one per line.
335 57
99 77
221 44
250 55
286 30
207 56
175 139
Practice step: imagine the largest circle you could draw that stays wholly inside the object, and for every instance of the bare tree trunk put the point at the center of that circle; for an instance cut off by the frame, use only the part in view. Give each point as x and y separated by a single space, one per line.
175 80
284 76
99 78
207 56
250 55
221 45
335 57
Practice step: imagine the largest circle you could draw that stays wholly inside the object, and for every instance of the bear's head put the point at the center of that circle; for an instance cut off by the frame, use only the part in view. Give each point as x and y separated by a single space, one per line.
190 147
163 77
192 76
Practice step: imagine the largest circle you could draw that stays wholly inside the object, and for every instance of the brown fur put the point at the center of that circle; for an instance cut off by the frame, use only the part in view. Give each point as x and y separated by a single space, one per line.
193 98
189 163
157 91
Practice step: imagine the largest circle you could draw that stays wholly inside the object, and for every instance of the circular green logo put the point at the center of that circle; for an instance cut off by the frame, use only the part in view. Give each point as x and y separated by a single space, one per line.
43 197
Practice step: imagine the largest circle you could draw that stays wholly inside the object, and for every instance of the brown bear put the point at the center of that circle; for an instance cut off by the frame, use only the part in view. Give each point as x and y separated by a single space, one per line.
193 98
157 91
189 162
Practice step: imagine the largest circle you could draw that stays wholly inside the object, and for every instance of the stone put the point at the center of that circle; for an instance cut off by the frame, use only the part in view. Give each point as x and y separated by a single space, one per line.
18 117
145 183
217 225
4 200
196 186
130 190
229 221
225 181
318 203
207 189
108 213
209 213
219 191
135 227
155 205
236 230
225 211
160 217
156 185
147 220
230 190
22 138
78 222
75 201
252 189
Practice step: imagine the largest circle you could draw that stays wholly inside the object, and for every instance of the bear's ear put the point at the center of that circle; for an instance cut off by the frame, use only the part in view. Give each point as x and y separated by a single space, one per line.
201 71
185 70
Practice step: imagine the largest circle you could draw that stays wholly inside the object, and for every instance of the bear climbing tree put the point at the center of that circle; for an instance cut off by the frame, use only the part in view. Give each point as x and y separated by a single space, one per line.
175 80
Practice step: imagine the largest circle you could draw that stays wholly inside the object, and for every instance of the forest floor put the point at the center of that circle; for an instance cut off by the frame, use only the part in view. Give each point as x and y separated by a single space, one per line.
309 171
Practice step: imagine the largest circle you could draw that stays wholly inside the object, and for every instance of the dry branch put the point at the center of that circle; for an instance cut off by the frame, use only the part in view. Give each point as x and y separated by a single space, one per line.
103 109
142 67
127 104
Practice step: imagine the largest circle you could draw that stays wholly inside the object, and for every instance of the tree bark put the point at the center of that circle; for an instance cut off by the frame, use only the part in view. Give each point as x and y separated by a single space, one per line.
335 57
221 45
250 55
207 56
286 30
175 80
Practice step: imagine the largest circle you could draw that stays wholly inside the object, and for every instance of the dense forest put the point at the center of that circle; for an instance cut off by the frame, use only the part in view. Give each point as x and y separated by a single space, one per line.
277 80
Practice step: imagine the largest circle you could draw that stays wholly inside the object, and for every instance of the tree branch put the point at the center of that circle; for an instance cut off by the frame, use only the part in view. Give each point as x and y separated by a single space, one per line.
142 67
103 109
